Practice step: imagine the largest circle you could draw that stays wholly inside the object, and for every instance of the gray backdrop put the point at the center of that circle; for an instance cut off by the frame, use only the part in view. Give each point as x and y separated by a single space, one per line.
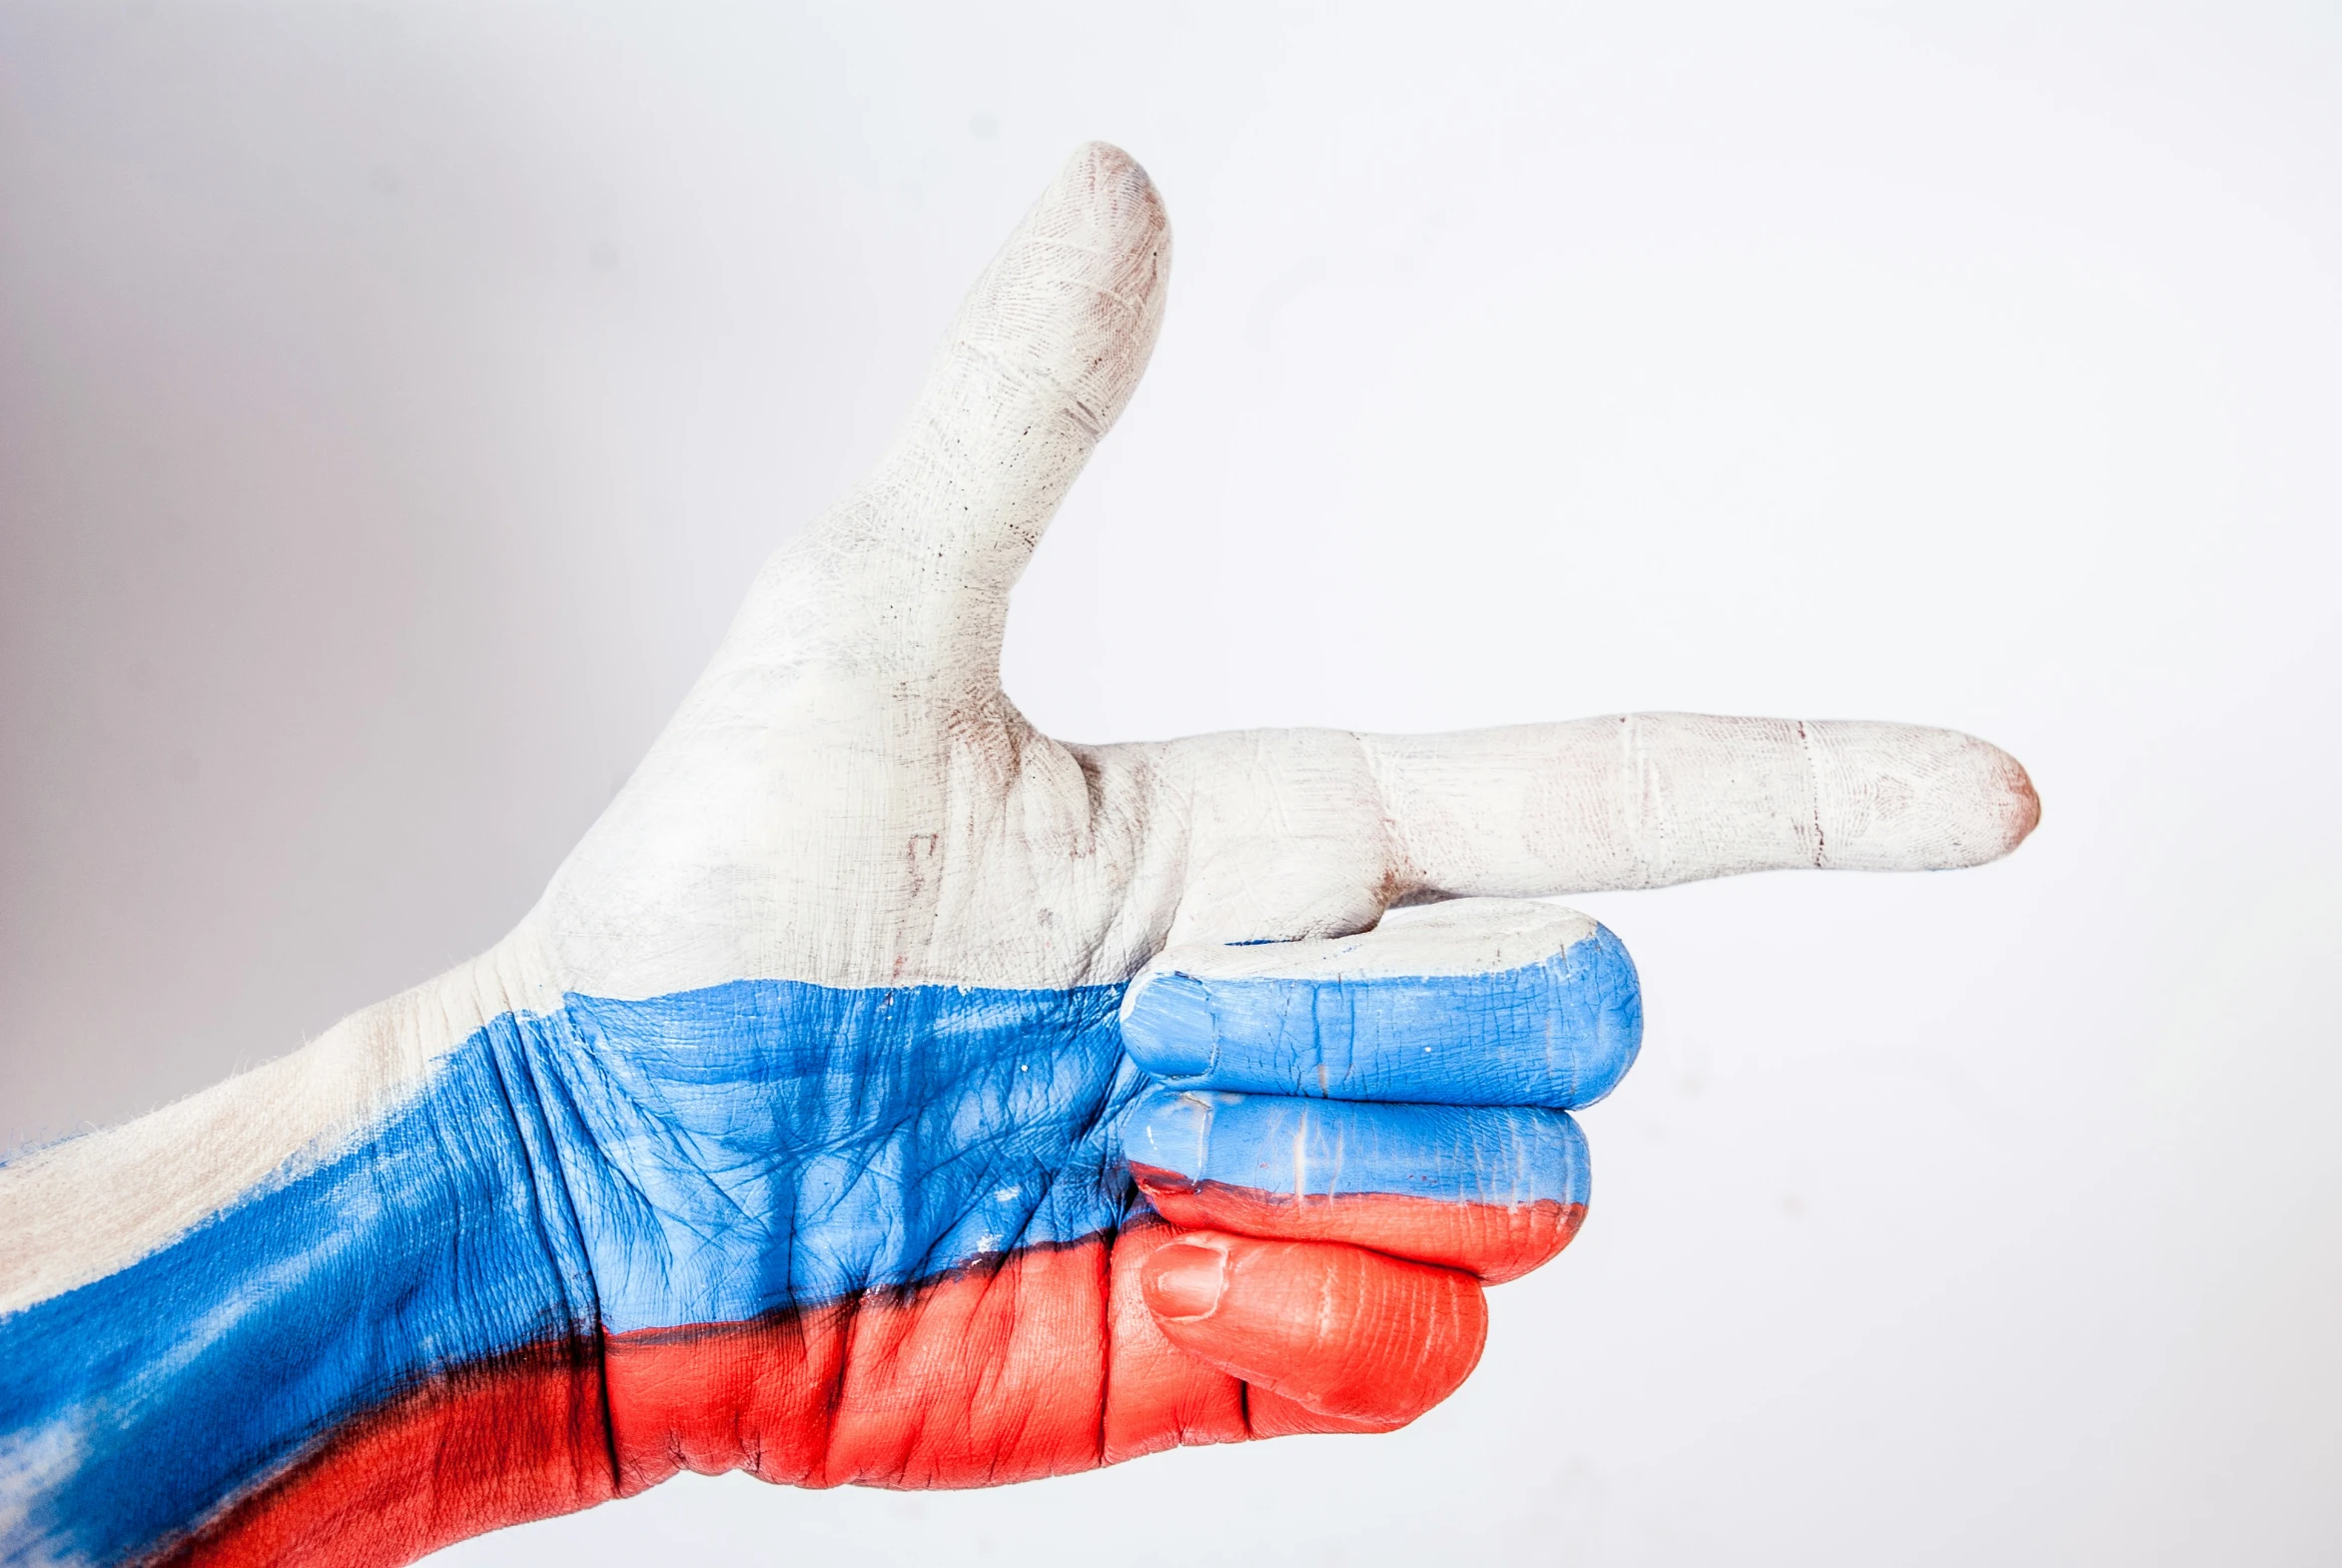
394 401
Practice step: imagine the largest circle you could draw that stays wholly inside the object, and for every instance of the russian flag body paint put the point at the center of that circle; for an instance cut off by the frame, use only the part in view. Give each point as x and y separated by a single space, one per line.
826 1234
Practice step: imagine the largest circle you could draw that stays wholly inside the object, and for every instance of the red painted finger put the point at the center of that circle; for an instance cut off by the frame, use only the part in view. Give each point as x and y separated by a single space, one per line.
1337 1331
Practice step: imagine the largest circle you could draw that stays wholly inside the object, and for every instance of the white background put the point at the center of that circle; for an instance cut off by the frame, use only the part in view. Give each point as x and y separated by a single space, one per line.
395 400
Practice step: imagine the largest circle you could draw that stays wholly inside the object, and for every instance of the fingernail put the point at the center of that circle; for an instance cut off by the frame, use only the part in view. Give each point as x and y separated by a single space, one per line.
1168 1137
1184 1281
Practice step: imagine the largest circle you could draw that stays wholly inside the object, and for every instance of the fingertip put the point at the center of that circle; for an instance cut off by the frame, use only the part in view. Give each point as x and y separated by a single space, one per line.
2022 810
1106 199
1168 1024
1615 1026
1103 172
1989 800
1900 797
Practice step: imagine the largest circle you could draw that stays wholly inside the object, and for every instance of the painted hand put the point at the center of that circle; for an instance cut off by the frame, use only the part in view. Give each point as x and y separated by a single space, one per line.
814 1122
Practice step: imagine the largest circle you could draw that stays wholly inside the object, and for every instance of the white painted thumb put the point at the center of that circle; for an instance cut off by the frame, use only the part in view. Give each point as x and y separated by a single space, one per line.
912 573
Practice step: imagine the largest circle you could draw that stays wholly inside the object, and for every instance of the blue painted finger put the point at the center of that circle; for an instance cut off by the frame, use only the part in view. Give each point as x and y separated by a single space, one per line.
1495 1191
1476 1002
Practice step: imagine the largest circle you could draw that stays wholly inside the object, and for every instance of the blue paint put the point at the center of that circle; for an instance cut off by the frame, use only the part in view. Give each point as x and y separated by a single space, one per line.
764 1146
1498 1155
1560 1032
781 1144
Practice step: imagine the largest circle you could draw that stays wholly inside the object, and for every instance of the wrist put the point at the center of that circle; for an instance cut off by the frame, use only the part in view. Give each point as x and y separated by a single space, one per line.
331 1310
487 1406
90 1205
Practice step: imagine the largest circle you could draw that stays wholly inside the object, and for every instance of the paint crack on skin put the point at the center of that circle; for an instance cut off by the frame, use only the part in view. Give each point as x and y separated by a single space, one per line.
1814 785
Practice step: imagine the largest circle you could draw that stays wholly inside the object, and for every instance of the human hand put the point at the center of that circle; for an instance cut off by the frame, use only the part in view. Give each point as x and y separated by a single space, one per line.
814 1123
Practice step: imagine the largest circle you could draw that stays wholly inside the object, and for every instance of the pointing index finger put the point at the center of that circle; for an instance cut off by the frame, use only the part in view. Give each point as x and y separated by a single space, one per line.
1645 800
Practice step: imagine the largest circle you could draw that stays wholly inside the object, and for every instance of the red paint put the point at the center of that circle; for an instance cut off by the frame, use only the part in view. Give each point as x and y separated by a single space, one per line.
517 1438
1337 1331
1494 1242
1047 1362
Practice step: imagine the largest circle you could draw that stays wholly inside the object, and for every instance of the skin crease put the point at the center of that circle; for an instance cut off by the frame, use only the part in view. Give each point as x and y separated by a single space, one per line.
848 821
